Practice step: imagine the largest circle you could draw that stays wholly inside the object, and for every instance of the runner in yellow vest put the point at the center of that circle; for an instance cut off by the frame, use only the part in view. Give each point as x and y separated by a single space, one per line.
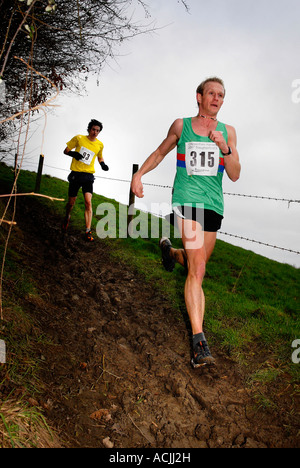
87 149
205 149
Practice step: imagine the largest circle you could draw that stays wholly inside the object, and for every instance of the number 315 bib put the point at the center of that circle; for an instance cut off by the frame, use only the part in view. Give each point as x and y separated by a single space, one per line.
202 158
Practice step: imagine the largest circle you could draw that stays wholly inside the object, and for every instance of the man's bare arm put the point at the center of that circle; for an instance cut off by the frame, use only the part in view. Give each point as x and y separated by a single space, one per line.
232 162
157 157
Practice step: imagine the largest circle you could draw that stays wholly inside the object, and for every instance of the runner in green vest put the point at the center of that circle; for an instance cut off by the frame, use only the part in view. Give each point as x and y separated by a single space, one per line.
205 149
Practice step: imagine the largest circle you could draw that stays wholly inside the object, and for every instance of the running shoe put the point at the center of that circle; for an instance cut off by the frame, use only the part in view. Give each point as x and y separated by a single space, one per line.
167 261
202 356
89 237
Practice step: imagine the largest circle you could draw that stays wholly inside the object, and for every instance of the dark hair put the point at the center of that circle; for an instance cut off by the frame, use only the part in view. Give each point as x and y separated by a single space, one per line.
96 123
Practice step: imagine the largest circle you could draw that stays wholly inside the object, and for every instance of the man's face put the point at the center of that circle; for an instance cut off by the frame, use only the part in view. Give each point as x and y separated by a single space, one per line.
94 132
212 99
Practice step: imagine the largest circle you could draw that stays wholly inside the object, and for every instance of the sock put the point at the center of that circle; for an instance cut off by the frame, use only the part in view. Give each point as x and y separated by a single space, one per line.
197 338
87 230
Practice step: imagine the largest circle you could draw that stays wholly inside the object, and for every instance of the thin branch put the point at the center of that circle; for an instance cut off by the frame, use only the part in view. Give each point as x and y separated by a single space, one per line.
40 106
32 194
14 38
139 429
7 222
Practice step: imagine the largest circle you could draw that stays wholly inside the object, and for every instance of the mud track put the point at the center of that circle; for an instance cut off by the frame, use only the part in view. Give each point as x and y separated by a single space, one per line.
116 360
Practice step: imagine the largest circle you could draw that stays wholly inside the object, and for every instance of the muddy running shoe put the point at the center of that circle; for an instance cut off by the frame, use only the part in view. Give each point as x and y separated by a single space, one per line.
202 356
167 261
89 237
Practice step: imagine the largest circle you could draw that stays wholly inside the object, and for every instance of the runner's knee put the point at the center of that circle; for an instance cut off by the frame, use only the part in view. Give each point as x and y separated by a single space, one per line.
88 205
197 269
71 203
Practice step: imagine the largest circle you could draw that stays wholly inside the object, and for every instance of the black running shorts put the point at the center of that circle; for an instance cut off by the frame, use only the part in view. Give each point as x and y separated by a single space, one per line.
209 219
79 180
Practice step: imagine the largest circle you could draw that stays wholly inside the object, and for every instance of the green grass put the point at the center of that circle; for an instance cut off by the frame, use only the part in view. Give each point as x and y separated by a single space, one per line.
252 303
23 426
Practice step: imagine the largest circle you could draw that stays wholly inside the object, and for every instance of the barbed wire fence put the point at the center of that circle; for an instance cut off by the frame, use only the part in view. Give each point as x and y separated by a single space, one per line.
244 238
286 200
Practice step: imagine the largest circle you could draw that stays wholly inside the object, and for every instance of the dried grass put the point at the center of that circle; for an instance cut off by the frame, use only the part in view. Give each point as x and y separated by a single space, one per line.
22 426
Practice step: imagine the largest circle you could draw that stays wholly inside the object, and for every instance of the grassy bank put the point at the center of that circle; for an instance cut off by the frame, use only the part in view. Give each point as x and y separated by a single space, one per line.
252 303
250 298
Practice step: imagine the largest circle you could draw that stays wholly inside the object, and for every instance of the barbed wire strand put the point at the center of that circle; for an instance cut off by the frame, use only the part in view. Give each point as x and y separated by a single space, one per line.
259 242
287 200
225 193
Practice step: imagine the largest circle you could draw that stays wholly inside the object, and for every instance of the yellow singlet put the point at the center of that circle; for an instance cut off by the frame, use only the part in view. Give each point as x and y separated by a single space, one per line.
90 150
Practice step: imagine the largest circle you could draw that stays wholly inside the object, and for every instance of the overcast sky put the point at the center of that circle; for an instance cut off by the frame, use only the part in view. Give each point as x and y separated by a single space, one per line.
254 48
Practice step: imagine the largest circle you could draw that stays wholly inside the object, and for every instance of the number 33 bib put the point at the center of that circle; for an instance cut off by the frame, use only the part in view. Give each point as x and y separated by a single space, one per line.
202 158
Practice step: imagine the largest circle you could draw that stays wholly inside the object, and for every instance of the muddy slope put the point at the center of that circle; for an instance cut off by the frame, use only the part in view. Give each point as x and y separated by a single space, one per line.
116 361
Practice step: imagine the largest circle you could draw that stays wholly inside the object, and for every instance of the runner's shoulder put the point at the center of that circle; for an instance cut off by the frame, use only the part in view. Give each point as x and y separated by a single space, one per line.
177 127
230 129
178 123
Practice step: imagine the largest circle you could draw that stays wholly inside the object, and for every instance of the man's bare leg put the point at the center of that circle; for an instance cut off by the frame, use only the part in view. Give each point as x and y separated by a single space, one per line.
179 255
198 247
88 214
69 208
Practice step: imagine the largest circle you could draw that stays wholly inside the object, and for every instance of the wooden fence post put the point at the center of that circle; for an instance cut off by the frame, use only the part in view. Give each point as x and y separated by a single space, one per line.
135 168
39 174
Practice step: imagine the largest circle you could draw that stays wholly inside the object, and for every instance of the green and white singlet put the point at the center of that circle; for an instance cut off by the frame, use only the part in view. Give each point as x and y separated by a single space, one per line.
200 169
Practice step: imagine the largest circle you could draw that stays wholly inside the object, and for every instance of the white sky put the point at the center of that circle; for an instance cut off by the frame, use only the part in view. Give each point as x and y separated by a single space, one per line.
254 48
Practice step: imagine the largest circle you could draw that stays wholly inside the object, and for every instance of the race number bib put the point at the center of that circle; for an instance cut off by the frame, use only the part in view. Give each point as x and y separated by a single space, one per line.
87 155
202 158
